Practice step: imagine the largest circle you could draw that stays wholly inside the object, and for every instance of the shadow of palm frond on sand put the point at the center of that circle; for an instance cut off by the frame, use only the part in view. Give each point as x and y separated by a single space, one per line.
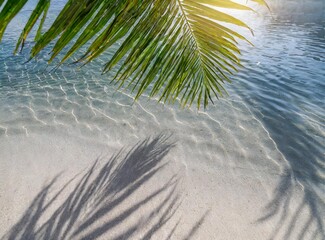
108 201
298 202
287 102
297 205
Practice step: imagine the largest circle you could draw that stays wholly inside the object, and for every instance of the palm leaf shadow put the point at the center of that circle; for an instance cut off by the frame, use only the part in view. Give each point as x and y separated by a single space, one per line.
89 210
287 223
297 204
298 200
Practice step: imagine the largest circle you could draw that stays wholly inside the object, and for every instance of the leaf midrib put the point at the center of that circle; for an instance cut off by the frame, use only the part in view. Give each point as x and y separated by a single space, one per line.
187 22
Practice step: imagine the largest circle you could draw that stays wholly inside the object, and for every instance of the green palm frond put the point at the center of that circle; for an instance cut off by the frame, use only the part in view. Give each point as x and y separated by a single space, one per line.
174 49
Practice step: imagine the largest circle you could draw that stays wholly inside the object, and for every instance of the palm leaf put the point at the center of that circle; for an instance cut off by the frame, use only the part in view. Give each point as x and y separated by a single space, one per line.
174 49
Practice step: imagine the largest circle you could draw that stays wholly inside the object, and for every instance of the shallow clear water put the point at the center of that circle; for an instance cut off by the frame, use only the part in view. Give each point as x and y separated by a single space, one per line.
282 87
275 111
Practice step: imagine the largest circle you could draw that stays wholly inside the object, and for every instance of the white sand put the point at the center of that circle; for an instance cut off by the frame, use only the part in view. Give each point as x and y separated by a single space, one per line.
223 179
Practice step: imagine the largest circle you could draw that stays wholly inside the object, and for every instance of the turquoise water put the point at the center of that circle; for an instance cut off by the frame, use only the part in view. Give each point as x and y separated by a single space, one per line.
275 111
